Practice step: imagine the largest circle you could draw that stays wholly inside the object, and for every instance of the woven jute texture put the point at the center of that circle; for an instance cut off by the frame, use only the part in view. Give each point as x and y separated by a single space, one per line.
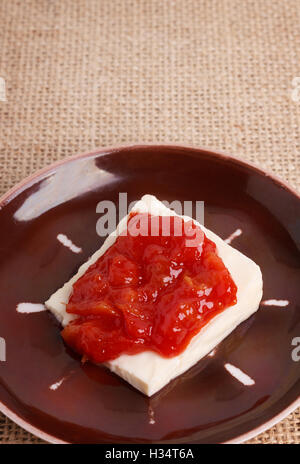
85 74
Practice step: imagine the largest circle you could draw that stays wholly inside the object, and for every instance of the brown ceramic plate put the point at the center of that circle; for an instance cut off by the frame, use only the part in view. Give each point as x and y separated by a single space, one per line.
205 405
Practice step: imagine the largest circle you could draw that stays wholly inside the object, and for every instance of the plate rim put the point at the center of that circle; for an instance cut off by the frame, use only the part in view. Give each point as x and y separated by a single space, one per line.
29 180
117 148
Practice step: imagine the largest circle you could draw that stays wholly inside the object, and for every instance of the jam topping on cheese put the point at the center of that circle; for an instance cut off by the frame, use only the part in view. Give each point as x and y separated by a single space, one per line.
154 289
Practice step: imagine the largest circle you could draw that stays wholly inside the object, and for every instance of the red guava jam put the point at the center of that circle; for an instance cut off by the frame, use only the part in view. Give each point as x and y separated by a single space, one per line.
154 289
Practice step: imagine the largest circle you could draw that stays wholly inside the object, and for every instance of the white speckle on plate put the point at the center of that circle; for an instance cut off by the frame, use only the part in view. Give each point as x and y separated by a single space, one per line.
56 385
27 308
235 234
281 303
239 375
68 243
212 353
151 415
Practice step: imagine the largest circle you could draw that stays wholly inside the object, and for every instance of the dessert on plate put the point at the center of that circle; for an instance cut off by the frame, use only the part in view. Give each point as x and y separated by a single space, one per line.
158 296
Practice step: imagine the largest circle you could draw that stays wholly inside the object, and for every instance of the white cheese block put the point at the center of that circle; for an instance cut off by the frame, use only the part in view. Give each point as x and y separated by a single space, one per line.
148 371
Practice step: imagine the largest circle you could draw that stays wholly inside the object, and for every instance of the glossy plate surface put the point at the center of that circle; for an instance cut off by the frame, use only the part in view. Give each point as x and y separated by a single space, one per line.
205 405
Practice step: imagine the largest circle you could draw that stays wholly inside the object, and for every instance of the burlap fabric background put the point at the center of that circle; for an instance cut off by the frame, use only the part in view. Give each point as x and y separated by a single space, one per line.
84 74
